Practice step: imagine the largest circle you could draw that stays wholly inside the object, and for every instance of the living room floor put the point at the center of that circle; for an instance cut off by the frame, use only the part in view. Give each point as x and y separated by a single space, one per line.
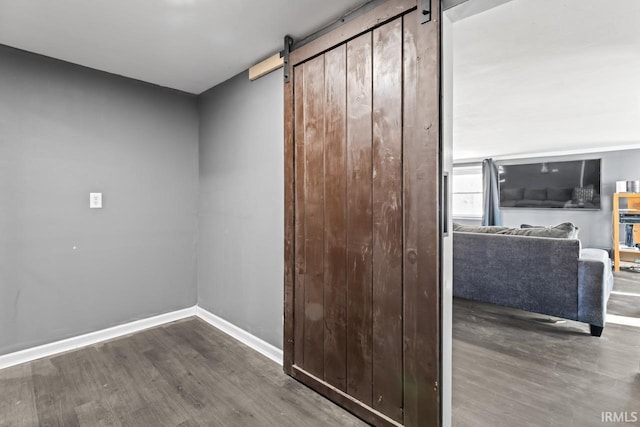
514 368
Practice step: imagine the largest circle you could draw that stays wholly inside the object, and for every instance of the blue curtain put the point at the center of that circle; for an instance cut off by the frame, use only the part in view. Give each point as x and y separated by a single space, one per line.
490 193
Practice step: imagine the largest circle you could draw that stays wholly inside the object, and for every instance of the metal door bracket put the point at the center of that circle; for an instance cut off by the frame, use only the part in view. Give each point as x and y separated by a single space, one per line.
425 11
288 41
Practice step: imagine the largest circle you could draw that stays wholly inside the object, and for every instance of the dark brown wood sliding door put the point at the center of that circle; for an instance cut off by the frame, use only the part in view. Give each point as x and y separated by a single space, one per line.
362 219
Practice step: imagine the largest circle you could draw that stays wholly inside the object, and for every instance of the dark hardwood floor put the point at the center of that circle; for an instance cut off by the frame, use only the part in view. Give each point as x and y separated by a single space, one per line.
513 368
182 374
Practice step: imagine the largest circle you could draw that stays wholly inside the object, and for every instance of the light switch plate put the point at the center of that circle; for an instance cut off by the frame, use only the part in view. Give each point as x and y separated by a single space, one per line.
95 200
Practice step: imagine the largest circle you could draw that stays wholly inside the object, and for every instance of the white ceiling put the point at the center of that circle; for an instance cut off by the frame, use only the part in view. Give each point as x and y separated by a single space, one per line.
546 76
189 45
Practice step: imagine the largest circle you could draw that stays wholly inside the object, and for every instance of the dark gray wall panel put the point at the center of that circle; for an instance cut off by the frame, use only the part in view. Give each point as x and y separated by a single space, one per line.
241 267
66 131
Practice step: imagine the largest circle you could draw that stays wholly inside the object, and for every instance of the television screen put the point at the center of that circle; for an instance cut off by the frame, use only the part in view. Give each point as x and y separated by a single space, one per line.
559 185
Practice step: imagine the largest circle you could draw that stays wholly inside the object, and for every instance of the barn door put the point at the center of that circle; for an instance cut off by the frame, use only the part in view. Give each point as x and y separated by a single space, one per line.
362 233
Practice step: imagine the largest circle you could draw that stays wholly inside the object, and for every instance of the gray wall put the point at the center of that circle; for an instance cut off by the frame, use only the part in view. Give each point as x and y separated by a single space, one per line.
66 131
241 264
467 221
595 226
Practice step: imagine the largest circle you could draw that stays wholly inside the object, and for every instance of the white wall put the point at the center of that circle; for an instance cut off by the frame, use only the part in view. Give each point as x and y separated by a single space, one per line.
535 76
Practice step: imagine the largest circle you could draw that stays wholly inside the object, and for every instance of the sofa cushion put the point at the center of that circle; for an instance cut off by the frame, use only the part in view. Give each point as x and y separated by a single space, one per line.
487 229
565 230
565 225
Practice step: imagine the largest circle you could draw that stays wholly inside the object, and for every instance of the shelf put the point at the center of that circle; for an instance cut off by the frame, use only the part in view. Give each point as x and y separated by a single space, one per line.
629 264
628 215
630 251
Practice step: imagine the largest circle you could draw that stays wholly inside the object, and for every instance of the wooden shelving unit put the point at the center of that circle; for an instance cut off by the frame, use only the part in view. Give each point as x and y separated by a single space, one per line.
624 256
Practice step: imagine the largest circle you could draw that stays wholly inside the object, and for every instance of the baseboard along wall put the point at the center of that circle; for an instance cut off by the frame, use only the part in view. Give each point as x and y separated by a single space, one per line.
73 343
262 347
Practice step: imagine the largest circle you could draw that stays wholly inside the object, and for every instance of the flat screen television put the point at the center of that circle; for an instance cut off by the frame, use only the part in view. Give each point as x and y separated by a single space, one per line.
551 185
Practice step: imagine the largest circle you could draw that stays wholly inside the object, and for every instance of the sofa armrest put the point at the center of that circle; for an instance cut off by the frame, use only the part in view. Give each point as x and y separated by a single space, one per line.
595 281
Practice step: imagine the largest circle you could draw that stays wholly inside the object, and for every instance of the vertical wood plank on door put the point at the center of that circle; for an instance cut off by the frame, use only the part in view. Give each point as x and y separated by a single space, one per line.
335 281
359 221
387 220
428 316
299 229
289 224
410 166
426 180
315 217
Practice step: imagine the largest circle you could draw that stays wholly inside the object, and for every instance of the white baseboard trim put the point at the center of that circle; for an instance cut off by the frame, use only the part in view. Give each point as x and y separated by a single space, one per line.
91 338
241 335
73 343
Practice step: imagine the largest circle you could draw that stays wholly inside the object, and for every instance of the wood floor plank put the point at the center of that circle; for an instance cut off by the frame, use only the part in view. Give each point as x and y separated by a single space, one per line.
96 414
147 382
17 400
228 402
224 364
87 385
133 405
128 403
53 404
186 386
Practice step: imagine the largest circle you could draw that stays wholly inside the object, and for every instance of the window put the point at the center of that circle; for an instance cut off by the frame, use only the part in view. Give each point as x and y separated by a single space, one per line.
466 192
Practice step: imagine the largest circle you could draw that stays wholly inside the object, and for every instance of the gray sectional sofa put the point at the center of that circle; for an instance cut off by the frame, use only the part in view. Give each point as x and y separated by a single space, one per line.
552 276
